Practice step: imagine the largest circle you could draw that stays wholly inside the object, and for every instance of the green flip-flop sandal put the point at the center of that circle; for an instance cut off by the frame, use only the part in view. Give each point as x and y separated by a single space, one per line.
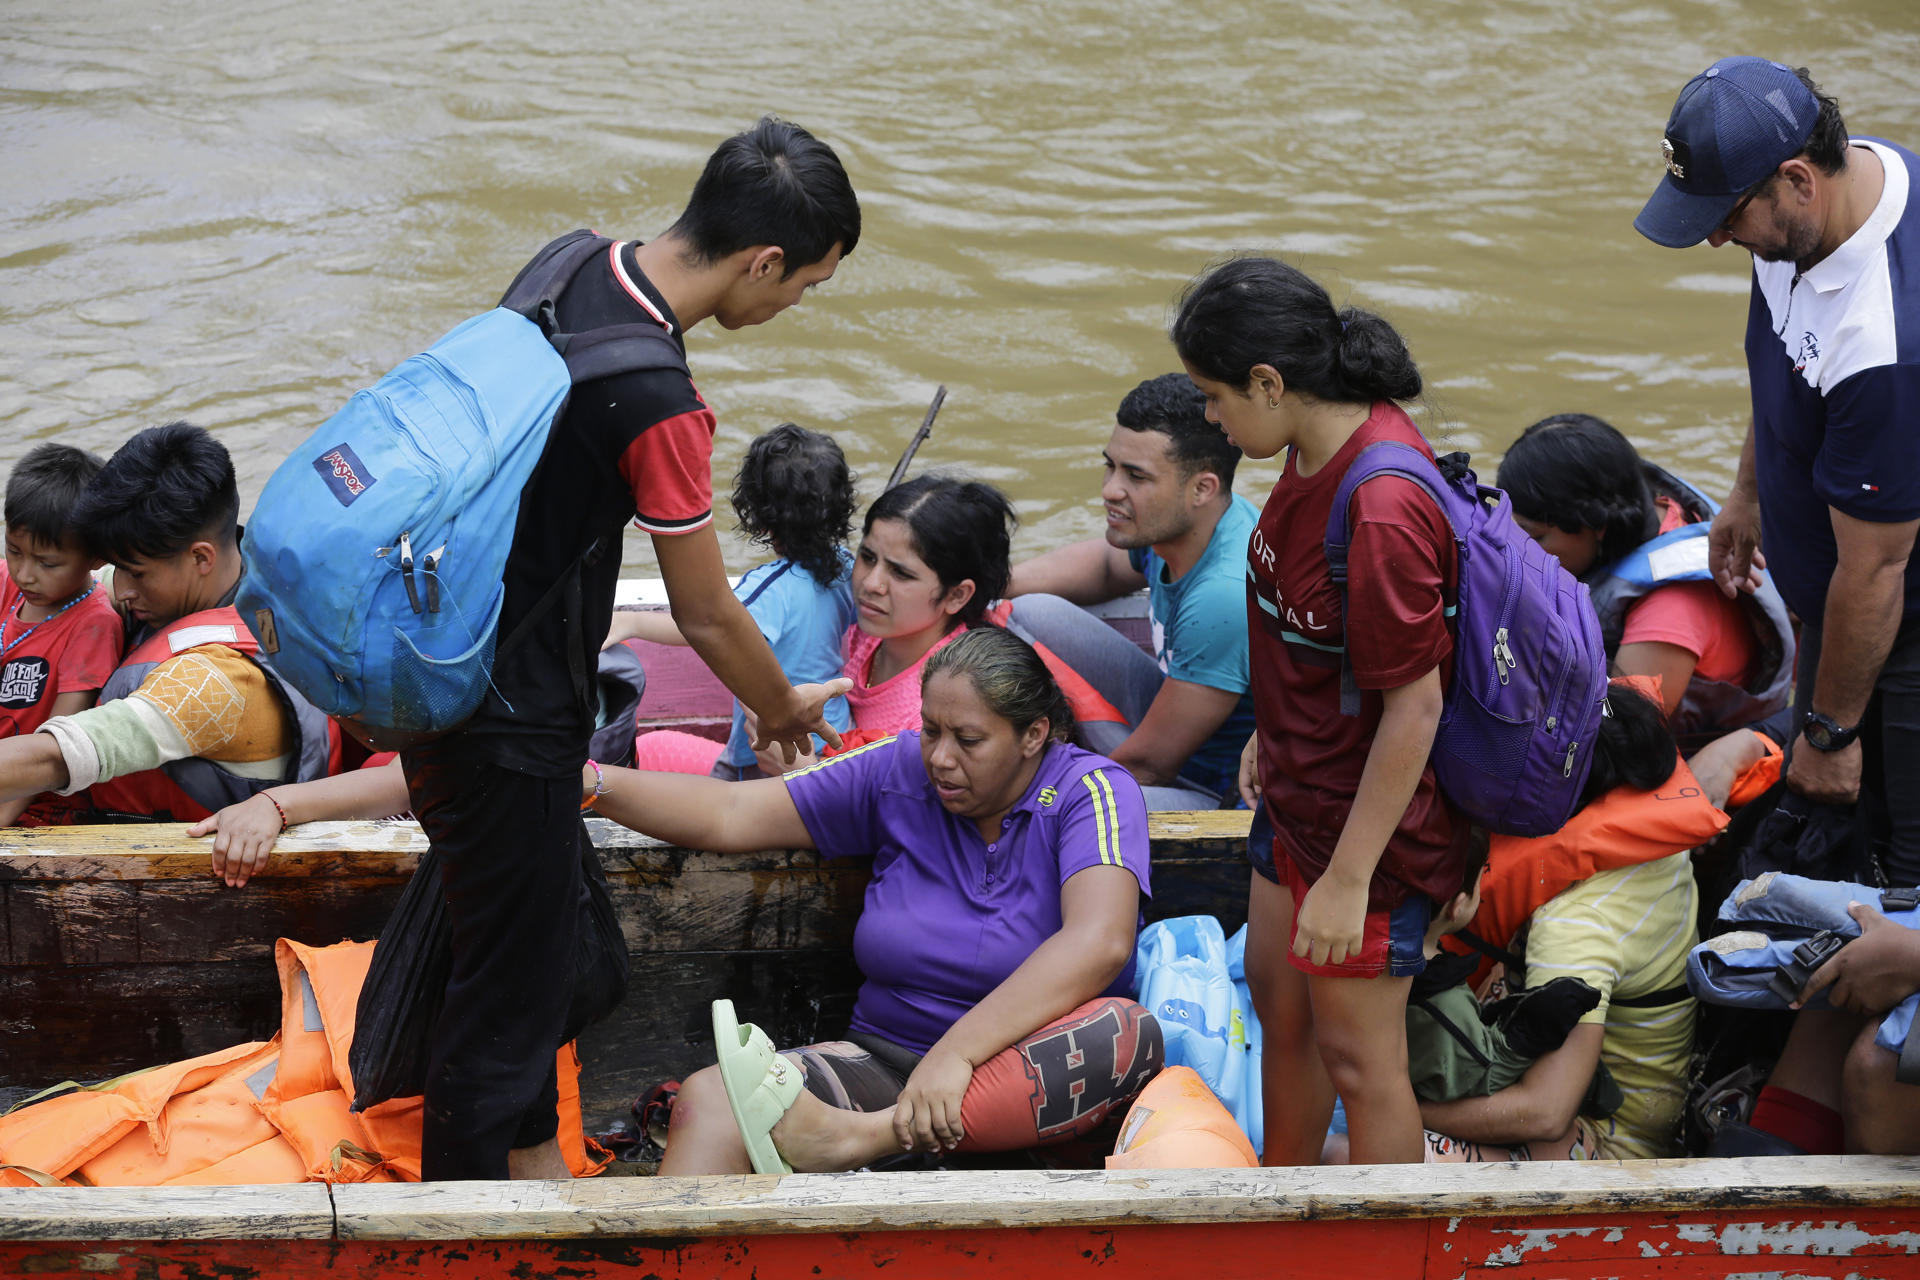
761 1085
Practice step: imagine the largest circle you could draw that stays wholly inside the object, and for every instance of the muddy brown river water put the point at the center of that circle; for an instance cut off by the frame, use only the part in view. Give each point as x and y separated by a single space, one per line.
240 214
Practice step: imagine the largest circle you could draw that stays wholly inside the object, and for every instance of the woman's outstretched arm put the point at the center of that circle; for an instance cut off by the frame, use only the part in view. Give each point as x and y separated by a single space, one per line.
701 813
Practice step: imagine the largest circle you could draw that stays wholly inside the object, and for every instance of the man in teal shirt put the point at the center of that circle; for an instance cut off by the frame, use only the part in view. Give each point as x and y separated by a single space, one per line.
1175 527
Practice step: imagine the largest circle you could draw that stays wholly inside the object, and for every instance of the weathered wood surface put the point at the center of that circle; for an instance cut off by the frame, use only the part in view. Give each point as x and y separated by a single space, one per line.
119 950
929 1201
302 1212
1557 1197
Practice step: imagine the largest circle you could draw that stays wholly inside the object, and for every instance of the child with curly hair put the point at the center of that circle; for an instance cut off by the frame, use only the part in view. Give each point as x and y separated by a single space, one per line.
794 496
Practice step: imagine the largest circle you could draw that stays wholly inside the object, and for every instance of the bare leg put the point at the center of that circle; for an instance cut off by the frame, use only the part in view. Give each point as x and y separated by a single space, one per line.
1297 1097
1882 1115
814 1137
543 1161
1815 1051
1361 1027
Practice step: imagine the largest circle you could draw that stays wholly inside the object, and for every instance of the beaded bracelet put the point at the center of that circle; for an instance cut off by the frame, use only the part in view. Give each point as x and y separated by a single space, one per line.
599 785
277 809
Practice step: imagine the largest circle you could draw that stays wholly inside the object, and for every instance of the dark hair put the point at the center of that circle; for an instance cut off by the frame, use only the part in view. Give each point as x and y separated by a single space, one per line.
960 528
162 491
1574 471
1827 145
794 495
44 489
773 184
1253 310
1634 747
1009 676
1173 406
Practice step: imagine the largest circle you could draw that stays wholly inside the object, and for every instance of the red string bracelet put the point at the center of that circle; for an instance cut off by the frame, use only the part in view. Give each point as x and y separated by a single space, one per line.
277 809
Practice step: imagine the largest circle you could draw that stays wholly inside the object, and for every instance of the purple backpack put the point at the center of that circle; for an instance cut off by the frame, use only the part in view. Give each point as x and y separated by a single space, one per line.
1515 743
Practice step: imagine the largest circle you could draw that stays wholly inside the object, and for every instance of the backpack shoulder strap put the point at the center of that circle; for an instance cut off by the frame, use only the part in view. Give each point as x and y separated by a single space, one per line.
618 348
541 281
1381 458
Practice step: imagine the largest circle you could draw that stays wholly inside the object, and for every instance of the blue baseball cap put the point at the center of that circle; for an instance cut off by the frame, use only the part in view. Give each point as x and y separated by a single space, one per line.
1733 125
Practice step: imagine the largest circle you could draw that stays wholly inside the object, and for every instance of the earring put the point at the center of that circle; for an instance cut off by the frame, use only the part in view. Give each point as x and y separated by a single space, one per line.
1272 403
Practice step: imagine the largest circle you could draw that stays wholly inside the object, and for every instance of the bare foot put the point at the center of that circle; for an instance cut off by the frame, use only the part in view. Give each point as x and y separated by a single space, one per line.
817 1138
541 1162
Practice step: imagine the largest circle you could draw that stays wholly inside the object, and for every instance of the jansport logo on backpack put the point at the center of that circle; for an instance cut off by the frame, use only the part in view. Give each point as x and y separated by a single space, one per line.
375 557
1515 743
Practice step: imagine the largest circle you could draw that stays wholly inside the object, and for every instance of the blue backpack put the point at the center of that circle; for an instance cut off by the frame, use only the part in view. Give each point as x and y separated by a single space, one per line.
1515 744
375 557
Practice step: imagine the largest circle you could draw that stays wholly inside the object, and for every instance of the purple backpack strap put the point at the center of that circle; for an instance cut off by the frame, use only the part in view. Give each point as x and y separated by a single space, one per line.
1382 458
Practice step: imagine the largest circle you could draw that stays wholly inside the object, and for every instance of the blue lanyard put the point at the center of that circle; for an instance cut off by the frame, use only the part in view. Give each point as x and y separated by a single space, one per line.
10 645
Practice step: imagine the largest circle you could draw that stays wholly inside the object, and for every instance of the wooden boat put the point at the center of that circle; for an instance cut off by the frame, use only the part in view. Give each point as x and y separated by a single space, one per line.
118 950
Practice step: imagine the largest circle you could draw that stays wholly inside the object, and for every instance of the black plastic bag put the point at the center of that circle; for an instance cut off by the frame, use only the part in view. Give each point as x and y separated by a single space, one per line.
406 985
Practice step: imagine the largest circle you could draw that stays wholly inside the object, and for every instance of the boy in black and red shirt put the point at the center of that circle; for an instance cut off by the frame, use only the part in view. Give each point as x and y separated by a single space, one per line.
771 215
59 636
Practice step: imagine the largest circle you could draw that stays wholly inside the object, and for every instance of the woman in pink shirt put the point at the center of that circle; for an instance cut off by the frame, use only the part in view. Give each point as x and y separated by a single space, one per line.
933 555
1637 536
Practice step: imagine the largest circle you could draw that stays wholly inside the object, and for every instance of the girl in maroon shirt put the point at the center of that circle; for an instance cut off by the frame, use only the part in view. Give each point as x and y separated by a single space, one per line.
1360 838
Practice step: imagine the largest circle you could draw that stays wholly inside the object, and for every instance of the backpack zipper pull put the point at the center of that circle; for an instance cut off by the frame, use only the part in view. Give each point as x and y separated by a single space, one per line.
1571 749
1502 656
406 570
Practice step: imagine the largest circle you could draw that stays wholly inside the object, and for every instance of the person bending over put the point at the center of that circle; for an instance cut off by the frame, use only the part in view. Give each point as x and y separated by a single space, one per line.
996 939
1175 527
1624 933
191 720
1638 537
771 215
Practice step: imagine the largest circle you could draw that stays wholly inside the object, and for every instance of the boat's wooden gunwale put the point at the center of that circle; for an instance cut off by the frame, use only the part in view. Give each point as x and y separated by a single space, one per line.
639 1208
163 851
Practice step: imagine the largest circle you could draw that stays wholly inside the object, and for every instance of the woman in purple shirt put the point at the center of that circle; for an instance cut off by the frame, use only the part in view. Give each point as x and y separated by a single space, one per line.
997 936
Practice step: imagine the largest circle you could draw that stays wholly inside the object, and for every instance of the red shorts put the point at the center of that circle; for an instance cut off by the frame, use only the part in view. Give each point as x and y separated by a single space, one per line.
1393 943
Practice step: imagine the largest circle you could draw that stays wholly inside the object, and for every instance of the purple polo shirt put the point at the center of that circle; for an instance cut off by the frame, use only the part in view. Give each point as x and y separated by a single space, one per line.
948 916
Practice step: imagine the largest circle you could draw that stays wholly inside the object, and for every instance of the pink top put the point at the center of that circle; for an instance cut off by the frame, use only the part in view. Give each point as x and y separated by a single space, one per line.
1696 617
893 705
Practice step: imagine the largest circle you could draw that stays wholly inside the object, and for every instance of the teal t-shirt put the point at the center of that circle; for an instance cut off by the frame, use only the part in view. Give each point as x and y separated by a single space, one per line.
1200 635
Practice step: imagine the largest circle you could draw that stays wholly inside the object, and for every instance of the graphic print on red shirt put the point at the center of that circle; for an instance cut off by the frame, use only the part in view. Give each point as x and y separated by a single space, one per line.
1402 574
71 652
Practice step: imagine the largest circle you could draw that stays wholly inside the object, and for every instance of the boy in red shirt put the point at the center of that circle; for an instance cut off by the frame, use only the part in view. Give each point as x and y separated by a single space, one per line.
59 635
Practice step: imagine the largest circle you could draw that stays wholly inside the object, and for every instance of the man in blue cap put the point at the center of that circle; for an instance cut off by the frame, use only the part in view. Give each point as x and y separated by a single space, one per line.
1829 479
1829 484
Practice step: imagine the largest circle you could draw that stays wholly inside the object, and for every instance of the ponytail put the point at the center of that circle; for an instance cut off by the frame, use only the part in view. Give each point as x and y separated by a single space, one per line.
1251 311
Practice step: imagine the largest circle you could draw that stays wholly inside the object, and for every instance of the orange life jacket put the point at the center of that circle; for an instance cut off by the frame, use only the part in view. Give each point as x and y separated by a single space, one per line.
257 1113
1177 1123
188 790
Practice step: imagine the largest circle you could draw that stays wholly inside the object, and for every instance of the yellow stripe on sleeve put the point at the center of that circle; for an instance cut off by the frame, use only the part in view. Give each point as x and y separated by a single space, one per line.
844 755
1113 815
1099 818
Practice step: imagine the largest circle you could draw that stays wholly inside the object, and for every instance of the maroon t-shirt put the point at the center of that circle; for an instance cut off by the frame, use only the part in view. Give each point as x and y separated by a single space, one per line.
1402 575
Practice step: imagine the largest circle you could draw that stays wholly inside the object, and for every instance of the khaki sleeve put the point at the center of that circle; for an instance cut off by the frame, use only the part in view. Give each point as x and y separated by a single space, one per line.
221 703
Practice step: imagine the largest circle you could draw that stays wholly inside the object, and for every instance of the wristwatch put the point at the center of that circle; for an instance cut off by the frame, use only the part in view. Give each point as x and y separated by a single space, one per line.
1824 733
